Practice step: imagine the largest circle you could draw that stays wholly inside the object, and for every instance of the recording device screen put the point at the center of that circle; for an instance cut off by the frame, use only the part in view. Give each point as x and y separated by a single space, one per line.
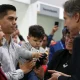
57 24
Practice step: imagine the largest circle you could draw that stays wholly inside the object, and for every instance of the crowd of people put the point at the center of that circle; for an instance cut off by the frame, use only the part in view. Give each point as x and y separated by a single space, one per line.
40 57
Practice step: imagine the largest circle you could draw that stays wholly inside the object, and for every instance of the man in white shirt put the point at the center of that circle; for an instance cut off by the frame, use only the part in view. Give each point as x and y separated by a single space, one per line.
10 52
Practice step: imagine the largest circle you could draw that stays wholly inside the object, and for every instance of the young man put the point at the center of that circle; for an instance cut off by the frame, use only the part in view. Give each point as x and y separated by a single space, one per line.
72 21
10 51
35 37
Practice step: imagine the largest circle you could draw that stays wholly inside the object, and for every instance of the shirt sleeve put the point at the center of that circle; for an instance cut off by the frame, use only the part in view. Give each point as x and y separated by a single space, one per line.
15 75
50 37
51 53
24 53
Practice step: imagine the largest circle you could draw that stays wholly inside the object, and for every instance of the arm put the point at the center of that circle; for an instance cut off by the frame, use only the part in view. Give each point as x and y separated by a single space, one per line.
56 75
53 63
50 37
26 54
18 74
15 75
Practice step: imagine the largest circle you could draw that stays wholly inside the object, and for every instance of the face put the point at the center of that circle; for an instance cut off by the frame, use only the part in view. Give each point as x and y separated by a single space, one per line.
72 23
35 42
44 42
8 22
69 42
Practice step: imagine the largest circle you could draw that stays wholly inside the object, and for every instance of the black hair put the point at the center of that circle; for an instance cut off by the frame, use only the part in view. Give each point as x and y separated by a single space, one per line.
4 8
36 31
45 35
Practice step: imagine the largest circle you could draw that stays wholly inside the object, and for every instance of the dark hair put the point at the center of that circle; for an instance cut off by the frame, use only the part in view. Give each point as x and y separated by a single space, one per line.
45 35
36 31
72 7
4 8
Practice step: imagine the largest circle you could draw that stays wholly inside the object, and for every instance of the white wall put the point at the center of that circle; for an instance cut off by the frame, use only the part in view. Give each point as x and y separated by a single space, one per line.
23 1
27 15
48 23
29 19
53 2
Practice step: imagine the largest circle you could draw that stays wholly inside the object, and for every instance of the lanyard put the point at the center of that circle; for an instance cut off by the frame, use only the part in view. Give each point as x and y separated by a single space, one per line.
61 45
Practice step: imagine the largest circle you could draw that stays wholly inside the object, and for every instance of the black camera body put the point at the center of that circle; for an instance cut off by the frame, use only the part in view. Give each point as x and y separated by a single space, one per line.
41 60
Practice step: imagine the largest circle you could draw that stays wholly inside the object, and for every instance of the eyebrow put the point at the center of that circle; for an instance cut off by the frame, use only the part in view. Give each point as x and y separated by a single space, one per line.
13 17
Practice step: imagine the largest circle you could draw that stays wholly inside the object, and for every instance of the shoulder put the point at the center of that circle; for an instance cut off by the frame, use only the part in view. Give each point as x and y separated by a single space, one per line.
60 52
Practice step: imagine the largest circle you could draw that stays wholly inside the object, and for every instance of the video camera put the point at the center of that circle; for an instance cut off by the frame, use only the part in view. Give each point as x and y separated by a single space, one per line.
41 60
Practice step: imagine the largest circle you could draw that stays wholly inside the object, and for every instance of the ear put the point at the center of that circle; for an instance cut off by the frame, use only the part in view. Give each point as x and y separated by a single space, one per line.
77 17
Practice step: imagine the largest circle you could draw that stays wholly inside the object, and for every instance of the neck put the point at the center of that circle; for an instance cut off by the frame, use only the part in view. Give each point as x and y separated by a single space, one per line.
7 36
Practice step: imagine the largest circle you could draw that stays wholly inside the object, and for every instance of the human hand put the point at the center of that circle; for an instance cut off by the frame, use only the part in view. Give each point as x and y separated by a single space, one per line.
27 66
36 55
56 74
55 28
62 74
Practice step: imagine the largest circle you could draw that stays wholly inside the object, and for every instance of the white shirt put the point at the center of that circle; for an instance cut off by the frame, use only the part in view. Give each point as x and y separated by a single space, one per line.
9 56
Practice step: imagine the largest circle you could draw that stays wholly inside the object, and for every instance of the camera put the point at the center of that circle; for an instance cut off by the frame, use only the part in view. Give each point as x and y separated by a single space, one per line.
41 60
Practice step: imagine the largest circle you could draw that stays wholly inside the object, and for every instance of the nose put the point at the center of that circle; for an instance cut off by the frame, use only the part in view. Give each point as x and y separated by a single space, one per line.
14 22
